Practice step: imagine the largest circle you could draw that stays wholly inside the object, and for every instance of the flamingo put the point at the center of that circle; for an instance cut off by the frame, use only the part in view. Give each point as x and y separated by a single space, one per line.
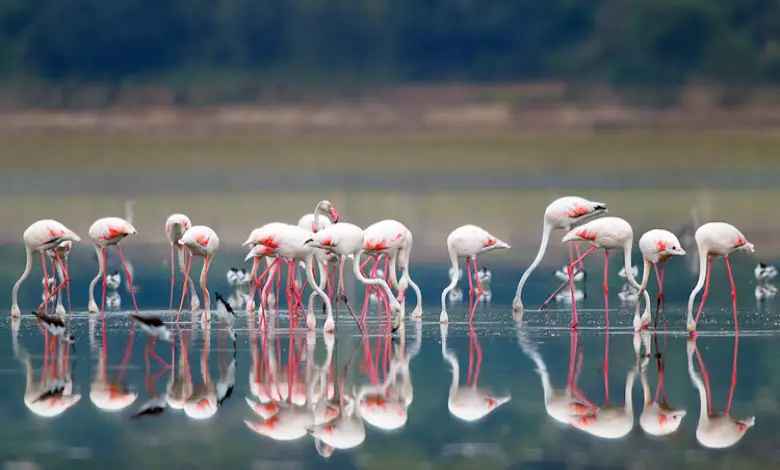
175 227
657 246
609 233
53 395
715 239
468 403
610 422
62 251
324 215
657 418
716 430
41 236
201 241
467 242
289 242
562 213
105 232
559 403
345 239
392 238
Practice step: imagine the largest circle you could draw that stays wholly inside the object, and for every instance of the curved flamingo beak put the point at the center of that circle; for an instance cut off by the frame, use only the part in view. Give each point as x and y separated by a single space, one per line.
334 214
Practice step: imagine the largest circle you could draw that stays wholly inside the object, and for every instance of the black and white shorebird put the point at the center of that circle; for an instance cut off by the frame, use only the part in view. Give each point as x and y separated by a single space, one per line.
226 315
765 272
113 280
153 326
56 326
238 278
153 407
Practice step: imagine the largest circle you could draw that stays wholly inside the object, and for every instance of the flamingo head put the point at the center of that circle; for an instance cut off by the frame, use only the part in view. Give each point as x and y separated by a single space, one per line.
258 251
749 247
327 206
598 208
495 402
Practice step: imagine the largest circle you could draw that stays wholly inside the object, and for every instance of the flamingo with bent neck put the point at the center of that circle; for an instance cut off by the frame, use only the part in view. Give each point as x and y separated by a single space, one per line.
61 252
716 430
609 421
562 213
560 404
468 403
324 215
175 227
392 238
657 418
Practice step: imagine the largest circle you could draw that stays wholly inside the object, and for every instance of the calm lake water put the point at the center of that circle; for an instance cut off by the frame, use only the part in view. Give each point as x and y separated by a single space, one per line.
109 376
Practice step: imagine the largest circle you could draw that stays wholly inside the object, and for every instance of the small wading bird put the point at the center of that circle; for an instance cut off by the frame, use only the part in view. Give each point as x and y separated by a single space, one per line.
41 236
175 227
467 242
226 315
105 232
153 326
715 239
765 272
153 407
562 213
56 326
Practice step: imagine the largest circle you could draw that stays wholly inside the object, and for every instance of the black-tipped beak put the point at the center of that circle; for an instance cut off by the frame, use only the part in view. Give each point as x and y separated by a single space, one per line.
310 240
600 208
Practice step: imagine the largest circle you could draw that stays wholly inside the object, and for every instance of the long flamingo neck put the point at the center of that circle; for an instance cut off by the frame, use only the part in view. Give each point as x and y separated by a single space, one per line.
546 230
101 269
645 274
27 269
315 286
182 262
373 281
700 283
453 278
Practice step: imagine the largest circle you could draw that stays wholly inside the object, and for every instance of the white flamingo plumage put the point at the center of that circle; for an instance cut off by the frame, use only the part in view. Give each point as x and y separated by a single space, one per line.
41 236
657 246
105 232
201 241
175 227
467 242
715 239
562 213
609 233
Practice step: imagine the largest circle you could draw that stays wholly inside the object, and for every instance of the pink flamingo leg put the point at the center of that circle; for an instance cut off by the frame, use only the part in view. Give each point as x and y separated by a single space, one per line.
706 289
173 261
571 273
606 286
660 280
184 289
571 253
733 295
479 291
733 374
45 284
580 265
606 369
103 297
471 286
129 279
570 270
706 377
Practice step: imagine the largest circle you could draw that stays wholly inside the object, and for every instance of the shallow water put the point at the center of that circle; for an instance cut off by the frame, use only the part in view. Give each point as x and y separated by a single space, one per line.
507 358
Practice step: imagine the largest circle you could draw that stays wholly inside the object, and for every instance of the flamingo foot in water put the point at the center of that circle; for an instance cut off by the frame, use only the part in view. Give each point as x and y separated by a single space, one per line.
329 326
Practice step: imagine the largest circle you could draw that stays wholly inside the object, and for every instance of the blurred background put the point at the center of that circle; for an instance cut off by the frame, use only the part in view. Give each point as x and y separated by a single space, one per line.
436 113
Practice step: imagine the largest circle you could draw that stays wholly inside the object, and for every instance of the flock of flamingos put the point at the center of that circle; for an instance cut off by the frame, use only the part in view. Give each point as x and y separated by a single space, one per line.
321 238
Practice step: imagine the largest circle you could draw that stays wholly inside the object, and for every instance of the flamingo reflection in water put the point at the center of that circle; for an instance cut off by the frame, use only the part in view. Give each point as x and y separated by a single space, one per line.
716 430
385 404
53 394
202 403
110 395
155 405
609 421
560 404
468 403
294 416
657 418
179 386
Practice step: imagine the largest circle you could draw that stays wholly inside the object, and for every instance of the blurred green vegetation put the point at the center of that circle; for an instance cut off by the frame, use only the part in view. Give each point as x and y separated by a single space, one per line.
343 43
